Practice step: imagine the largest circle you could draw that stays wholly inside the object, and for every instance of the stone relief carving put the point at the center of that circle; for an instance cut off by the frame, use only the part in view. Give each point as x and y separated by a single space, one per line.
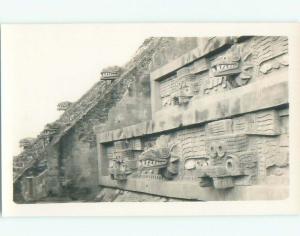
161 159
180 89
156 161
238 151
223 162
223 156
220 154
236 67
123 161
269 53
222 143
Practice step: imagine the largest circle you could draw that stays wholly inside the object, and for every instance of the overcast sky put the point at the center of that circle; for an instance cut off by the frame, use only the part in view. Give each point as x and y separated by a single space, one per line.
43 65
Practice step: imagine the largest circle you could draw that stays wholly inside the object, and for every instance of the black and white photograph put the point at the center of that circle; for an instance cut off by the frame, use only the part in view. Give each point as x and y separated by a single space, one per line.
113 113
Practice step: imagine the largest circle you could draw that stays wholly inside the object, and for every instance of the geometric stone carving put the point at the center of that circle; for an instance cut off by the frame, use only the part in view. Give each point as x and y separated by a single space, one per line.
177 90
260 123
136 144
219 127
192 142
123 161
264 123
275 64
166 88
264 49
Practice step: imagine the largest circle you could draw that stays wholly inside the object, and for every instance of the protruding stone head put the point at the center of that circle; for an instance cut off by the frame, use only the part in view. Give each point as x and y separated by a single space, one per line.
111 73
50 130
26 142
63 106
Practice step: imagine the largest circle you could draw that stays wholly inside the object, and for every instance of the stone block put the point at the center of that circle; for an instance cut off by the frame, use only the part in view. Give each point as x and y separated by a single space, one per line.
223 182
264 123
199 66
220 127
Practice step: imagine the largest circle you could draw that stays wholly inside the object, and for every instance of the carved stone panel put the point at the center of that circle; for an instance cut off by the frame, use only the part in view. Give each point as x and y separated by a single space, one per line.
222 154
242 63
219 123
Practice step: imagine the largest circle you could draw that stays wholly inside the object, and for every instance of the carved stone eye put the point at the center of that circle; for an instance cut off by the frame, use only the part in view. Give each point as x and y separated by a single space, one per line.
212 150
220 148
232 163
229 165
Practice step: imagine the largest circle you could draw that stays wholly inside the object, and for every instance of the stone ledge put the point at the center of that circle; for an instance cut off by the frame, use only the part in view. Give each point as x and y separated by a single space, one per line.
268 93
192 190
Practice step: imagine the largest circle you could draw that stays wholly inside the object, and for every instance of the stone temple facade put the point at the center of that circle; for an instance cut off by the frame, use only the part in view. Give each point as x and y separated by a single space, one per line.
185 119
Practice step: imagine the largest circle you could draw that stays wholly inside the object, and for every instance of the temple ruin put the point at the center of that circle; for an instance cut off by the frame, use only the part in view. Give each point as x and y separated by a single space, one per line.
185 119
